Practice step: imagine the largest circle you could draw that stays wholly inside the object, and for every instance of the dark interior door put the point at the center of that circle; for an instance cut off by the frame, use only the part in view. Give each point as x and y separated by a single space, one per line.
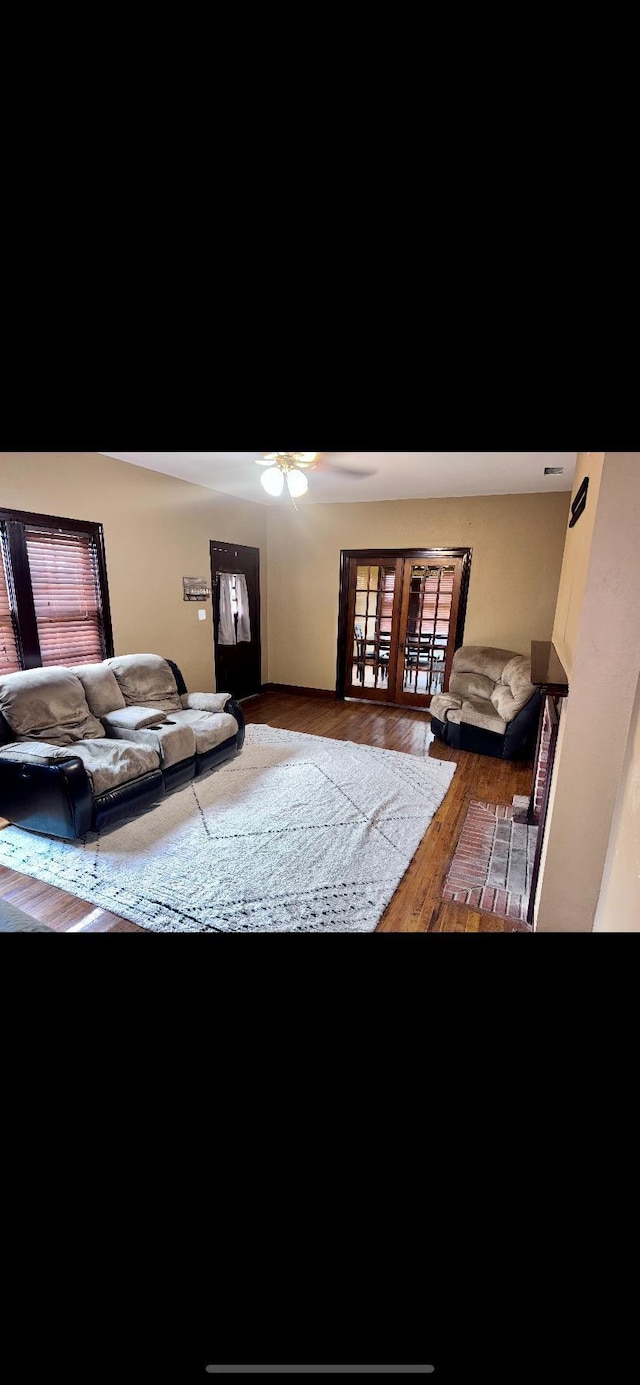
238 665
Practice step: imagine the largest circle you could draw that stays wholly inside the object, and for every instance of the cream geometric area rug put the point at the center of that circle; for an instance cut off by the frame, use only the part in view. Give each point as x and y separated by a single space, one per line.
296 834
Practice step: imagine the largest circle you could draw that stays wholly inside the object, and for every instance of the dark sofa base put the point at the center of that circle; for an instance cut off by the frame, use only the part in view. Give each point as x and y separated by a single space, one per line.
126 801
226 751
178 775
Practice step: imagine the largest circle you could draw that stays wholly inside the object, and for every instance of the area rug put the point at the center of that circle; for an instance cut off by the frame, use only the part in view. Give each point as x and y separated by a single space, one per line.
297 834
493 865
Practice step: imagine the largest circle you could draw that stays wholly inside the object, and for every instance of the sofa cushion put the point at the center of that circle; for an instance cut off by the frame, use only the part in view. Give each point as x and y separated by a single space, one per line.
112 763
47 704
100 688
108 763
174 744
482 659
145 680
471 685
479 711
210 729
516 689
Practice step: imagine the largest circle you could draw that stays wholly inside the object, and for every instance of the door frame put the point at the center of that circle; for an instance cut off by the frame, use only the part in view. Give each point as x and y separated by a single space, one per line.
366 555
231 551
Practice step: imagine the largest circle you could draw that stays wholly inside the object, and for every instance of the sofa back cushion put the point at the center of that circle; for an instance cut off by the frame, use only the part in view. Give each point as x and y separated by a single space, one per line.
145 680
47 704
515 689
101 688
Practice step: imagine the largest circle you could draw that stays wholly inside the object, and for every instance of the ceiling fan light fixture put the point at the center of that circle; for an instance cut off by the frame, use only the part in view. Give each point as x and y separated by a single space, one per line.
297 483
273 480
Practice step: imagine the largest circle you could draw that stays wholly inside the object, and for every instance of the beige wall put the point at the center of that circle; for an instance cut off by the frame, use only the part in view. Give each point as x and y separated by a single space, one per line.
602 650
619 906
157 531
517 543
576 561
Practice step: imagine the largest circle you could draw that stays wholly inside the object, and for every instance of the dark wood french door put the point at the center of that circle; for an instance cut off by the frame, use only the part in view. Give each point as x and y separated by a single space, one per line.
238 665
402 619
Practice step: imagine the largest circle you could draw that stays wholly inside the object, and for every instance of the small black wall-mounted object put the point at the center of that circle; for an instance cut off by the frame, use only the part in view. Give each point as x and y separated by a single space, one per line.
580 503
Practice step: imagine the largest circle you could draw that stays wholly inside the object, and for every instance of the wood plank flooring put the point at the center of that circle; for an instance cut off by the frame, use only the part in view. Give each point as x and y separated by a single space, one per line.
417 906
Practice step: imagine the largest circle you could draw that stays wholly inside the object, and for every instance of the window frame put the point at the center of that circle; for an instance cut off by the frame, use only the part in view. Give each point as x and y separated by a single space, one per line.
15 523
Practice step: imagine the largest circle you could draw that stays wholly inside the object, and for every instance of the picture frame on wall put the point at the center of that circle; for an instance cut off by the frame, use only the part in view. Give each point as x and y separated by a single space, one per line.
196 589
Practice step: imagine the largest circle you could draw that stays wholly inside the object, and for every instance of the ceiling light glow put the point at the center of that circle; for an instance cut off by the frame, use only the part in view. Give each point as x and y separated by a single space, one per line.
273 480
297 483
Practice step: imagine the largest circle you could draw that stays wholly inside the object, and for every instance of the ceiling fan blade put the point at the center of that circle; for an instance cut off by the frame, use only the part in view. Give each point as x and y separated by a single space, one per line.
350 471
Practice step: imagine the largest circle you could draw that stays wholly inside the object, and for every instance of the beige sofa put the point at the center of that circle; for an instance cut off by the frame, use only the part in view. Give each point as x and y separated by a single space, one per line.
492 707
81 748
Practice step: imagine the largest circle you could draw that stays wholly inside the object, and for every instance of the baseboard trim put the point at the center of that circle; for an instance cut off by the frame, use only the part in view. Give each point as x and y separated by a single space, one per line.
298 692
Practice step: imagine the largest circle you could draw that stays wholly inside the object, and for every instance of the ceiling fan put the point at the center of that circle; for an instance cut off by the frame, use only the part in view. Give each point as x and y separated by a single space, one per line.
291 466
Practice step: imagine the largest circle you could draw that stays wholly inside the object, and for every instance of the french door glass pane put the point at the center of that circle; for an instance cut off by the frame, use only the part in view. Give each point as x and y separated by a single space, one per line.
375 593
428 628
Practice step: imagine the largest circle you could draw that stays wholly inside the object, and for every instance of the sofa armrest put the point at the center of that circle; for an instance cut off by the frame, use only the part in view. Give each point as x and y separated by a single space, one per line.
46 794
521 734
205 702
442 704
132 719
233 709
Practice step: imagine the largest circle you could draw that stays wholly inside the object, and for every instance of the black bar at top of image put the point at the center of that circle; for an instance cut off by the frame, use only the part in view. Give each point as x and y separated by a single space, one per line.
320 1370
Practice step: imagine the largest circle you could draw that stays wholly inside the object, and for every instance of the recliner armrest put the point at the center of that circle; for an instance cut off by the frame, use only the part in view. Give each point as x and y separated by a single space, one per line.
205 702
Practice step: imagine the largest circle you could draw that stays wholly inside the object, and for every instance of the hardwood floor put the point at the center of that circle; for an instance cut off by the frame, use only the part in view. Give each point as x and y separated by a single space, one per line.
417 906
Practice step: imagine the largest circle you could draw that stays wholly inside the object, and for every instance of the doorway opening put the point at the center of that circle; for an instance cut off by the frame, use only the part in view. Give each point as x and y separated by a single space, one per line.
235 582
402 617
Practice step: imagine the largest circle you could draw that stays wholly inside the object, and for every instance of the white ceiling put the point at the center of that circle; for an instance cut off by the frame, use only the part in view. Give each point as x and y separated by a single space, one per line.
398 475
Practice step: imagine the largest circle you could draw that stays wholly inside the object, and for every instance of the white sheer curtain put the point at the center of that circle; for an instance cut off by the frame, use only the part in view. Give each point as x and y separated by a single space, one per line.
234 598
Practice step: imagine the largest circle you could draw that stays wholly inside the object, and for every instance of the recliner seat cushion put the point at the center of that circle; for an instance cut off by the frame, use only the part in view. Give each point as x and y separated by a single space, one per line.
210 729
100 688
145 680
479 711
113 763
48 704
109 764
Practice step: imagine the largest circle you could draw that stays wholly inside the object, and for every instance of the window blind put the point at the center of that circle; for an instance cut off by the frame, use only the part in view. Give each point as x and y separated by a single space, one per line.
9 661
66 596
387 597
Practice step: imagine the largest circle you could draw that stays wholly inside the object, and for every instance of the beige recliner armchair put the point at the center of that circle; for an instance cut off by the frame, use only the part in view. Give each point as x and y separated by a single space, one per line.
492 707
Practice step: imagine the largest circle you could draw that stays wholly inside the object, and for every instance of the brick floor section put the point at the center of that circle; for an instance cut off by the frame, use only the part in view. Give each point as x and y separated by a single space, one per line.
493 865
